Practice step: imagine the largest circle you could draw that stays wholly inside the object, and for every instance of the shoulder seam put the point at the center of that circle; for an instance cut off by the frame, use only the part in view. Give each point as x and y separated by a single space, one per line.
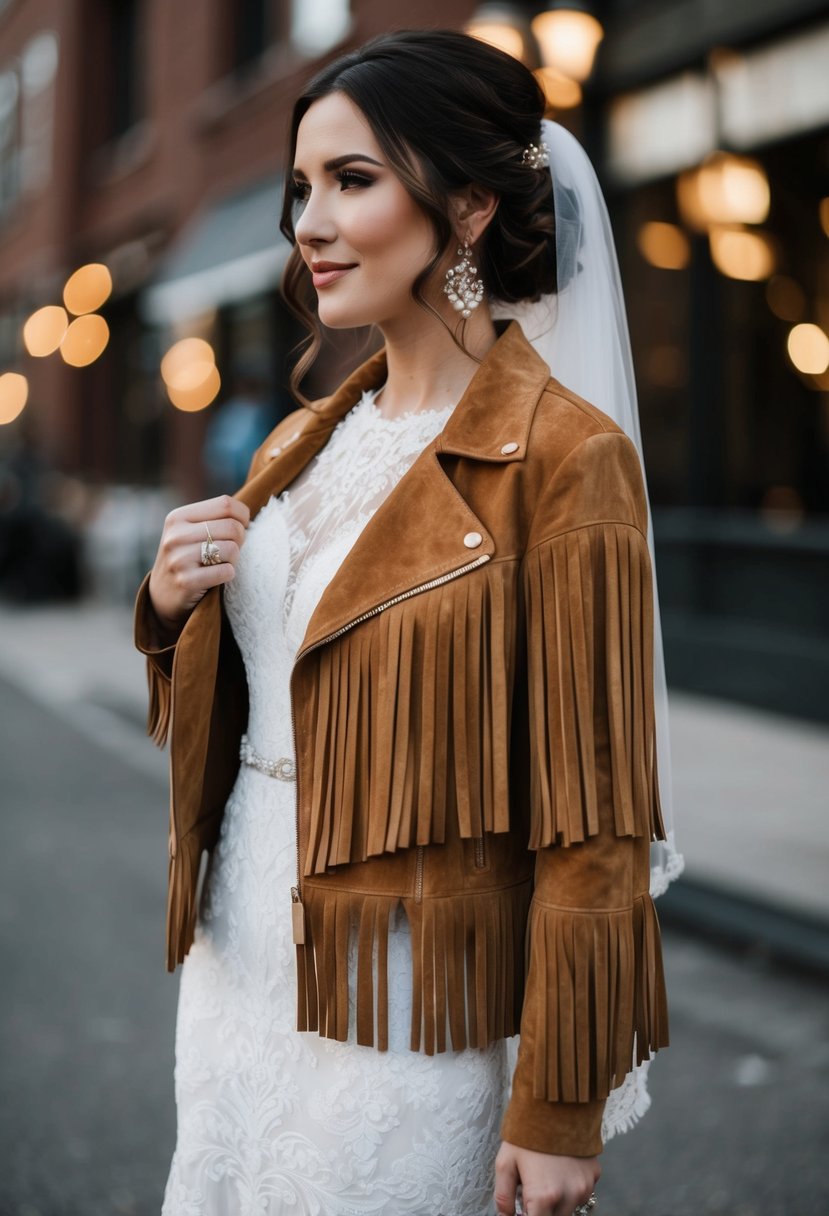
556 389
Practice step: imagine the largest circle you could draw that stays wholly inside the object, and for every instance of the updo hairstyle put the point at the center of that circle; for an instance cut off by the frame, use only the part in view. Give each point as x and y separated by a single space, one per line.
447 110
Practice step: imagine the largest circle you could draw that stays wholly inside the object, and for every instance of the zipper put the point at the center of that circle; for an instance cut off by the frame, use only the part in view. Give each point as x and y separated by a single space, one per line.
479 852
419 852
297 907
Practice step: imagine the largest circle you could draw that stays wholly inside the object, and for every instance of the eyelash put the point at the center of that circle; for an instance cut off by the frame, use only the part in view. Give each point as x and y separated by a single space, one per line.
346 177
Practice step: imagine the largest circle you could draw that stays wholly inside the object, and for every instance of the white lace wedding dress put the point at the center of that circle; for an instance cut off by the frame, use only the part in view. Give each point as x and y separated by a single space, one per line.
272 1121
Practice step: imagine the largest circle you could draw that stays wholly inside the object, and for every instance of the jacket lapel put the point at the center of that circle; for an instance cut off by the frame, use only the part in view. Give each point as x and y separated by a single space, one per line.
425 530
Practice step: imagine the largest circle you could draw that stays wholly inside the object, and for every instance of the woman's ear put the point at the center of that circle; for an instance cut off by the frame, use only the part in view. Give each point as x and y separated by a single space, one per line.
474 207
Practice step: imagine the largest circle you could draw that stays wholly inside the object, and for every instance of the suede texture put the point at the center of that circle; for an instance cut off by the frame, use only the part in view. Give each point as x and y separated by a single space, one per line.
475 741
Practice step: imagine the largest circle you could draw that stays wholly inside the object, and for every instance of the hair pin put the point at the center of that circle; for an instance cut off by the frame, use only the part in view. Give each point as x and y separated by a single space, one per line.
537 156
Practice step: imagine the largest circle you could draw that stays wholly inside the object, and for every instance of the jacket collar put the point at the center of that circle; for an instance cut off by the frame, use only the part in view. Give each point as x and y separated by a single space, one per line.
424 530
485 418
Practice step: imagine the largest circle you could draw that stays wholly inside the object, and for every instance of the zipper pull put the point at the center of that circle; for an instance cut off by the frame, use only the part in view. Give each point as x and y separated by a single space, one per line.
297 917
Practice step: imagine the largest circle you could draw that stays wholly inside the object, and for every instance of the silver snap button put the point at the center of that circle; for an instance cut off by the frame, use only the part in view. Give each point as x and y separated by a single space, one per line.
508 448
472 540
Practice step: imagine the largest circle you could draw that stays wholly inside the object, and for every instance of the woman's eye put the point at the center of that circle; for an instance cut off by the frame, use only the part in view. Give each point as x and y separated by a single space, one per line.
300 191
348 180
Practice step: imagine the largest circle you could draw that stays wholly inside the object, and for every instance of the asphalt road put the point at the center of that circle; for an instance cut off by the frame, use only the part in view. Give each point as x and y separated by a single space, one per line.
739 1124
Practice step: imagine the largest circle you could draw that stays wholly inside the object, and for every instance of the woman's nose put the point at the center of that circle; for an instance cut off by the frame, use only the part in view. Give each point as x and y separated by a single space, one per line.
313 225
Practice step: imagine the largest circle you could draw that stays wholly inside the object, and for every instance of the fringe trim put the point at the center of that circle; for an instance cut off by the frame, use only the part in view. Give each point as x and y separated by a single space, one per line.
603 1005
589 605
467 966
158 713
411 722
182 905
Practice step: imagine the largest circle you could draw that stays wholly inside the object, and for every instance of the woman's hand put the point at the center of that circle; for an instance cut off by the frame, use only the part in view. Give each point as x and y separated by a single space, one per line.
550 1185
178 580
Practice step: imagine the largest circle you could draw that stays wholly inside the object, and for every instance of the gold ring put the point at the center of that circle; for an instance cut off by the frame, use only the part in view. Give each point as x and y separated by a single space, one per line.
209 537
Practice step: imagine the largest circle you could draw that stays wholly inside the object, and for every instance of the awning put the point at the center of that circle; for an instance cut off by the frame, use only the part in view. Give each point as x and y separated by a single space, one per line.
232 250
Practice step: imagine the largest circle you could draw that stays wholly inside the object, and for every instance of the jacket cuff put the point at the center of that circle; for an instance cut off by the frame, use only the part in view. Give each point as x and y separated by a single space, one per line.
149 635
566 1129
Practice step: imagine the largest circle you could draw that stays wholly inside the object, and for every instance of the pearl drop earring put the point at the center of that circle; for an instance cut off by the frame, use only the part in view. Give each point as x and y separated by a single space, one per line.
464 290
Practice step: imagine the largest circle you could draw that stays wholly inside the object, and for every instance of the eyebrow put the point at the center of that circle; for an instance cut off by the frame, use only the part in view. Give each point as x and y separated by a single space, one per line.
338 161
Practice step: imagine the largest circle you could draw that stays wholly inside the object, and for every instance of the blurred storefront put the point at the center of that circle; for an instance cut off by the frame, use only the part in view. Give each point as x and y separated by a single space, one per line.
146 139
714 128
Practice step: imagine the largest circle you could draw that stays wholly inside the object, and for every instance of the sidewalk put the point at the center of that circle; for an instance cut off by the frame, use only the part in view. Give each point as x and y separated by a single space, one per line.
750 787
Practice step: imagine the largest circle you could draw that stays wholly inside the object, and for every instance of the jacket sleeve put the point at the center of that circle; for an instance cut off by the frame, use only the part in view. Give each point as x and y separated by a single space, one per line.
594 1000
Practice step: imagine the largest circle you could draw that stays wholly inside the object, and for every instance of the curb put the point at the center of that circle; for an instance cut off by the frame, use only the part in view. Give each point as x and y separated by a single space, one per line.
790 937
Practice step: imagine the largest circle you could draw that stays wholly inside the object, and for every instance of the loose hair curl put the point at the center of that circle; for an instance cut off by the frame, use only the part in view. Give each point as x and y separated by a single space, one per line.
447 110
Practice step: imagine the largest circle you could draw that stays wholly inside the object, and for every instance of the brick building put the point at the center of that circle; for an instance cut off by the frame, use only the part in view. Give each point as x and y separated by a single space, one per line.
149 136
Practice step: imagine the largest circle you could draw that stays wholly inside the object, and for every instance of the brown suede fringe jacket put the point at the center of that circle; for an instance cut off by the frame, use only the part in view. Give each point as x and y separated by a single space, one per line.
475 739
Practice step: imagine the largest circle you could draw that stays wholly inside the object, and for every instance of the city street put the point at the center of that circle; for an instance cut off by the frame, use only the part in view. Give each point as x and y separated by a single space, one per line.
740 1101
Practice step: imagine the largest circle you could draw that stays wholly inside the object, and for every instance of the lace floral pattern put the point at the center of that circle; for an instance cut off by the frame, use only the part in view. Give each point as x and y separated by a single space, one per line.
272 1121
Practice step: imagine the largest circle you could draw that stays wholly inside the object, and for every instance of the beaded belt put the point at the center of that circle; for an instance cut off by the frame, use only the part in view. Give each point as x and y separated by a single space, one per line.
283 768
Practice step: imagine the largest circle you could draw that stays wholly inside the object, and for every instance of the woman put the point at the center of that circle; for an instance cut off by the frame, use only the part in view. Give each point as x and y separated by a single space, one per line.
425 625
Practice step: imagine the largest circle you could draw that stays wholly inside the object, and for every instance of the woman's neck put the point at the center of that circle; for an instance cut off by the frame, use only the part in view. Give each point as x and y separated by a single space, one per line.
426 369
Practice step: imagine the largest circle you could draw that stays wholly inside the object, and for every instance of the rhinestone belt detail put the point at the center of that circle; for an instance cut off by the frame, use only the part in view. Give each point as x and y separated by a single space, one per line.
283 768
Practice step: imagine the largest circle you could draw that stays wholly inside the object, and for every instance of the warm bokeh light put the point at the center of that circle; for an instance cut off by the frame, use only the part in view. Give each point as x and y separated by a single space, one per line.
823 212
741 254
188 365
569 40
43 331
808 348
14 393
197 397
87 288
498 33
785 298
724 189
664 245
561 92
85 340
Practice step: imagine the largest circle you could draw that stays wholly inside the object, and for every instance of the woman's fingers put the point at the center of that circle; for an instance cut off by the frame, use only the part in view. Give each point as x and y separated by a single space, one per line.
186 533
225 506
205 577
179 580
506 1183
551 1185
185 564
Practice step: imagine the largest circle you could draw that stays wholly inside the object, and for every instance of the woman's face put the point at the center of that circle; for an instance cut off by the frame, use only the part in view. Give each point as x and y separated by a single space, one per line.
360 232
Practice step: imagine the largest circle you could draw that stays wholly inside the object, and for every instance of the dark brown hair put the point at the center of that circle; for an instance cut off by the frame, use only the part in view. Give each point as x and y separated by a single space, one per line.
447 110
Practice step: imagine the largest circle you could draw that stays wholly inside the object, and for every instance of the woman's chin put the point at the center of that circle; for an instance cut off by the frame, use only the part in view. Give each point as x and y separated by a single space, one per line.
333 316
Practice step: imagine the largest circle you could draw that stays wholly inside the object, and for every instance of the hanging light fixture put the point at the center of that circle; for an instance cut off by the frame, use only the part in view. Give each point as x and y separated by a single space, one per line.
561 92
504 26
568 35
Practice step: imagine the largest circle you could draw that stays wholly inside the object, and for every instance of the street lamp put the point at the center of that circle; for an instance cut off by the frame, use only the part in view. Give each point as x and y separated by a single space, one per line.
568 35
502 25
559 43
